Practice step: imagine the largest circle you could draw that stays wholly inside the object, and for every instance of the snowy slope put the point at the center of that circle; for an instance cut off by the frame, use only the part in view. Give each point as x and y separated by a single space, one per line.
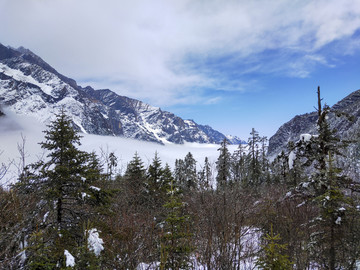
29 86
306 124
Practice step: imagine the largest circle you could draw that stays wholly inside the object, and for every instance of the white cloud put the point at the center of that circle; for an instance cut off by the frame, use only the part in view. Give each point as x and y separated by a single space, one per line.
145 49
213 100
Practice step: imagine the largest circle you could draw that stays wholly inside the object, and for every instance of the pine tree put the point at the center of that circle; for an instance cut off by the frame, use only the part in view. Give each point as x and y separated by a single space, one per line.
273 257
134 182
179 172
185 173
112 164
205 175
238 165
280 168
190 172
154 185
223 165
165 180
66 181
253 159
43 255
264 162
327 191
175 245
154 173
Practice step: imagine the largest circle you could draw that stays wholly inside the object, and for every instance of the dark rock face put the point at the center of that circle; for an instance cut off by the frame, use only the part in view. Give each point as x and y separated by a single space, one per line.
306 123
28 85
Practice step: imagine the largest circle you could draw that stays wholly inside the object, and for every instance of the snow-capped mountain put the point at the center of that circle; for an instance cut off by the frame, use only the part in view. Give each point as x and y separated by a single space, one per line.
30 86
306 124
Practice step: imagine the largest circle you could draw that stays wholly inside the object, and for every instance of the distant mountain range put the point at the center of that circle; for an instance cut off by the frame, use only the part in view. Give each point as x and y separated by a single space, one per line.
306 124
30 86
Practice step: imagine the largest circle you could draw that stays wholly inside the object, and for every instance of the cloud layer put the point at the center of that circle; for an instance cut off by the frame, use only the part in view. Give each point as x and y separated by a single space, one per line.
168 52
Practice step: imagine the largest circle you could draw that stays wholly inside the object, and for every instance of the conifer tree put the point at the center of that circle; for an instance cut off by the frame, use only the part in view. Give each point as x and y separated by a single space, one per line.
66 181
280 167
165 180
112 164
264 162
327 189
205 175
179 172
176 238
157 181
154 173
253 159
135 181
185 173
273 257
223 165
238 165
190 172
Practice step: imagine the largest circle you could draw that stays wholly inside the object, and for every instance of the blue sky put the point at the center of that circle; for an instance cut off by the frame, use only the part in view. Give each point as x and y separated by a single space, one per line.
230 64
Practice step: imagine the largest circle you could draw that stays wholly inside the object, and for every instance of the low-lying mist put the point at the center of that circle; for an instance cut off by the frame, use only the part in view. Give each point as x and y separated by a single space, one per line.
17 131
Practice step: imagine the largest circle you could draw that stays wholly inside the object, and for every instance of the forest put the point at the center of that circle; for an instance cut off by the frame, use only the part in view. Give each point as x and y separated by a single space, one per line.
72 210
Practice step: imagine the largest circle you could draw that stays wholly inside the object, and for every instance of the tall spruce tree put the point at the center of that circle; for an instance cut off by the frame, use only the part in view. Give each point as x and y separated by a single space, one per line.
205 175
179 172
190 172
66 181
328 190
155 186
273 257
253 158
223 165
134 182
238 165
176 244
185 173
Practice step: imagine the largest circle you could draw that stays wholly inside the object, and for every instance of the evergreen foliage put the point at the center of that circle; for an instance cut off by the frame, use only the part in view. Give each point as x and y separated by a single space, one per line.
190 172
66 182
253 158
157 217
223 165
327 190
157 182
134 181
273 257
185 173
176 237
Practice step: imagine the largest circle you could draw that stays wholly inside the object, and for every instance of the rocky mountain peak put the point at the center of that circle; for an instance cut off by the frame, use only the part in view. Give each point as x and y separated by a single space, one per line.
30 86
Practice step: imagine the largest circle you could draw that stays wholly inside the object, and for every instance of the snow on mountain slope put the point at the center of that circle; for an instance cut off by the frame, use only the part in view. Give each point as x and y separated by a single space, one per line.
29 86
306 123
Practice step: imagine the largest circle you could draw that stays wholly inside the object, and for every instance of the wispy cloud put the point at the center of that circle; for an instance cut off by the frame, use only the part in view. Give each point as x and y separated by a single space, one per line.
167 51
212 100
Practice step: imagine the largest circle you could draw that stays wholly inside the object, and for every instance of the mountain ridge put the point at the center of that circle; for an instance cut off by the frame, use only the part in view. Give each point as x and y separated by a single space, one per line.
339 120
29 85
